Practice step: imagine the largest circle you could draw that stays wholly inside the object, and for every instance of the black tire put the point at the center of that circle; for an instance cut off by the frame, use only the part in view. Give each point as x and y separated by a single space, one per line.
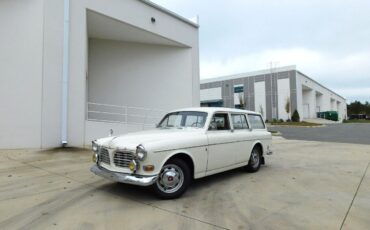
177 171
255 160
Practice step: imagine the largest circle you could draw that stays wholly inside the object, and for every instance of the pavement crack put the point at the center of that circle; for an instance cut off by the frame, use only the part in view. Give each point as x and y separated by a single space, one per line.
354 197
188 217
135 200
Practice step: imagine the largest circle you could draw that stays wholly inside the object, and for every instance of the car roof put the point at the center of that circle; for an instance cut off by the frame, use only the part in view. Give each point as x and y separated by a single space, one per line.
215 109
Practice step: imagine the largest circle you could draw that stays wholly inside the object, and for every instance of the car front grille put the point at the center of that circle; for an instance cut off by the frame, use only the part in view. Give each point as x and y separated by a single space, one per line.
104 156
122 159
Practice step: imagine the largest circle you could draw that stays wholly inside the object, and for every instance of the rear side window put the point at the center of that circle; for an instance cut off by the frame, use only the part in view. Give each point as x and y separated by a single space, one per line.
239 121
219 121
256 121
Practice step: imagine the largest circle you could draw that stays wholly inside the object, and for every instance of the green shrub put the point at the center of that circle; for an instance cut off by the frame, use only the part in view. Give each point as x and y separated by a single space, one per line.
281 120
295 116
274 120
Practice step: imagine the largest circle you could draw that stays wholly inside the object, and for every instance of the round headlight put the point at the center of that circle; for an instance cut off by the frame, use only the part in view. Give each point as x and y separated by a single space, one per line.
95 147
141 152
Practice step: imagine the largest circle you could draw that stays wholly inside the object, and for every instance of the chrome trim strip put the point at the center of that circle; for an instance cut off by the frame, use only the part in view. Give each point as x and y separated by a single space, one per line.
230 142
123 177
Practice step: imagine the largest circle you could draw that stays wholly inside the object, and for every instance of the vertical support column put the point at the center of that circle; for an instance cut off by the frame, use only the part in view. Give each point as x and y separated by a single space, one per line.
227 95
268 82
65 77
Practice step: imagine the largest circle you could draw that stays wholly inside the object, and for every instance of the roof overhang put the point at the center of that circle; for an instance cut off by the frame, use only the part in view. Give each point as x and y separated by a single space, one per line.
101 26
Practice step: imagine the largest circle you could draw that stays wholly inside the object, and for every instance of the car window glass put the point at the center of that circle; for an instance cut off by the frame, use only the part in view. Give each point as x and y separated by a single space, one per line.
194 121
220 121
239 121
244 121
183 119
256 121
174 120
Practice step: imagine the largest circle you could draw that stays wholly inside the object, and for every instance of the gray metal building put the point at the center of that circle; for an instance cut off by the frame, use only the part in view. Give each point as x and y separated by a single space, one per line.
269 91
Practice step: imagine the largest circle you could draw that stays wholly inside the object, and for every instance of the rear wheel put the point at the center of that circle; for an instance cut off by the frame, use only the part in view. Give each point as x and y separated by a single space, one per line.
255 160
173 179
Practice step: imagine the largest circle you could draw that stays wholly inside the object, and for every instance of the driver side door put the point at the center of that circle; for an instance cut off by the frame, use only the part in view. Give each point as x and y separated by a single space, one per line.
221 145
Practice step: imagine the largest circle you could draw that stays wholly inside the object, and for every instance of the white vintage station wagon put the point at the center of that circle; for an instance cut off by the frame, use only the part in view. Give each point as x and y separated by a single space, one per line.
187 144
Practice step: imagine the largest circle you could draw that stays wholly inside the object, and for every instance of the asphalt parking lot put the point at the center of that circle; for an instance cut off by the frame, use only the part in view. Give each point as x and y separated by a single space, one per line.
343 133
305 185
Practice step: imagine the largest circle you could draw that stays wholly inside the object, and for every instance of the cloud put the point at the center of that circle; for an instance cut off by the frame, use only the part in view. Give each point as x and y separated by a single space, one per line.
349 75
327 40
353 94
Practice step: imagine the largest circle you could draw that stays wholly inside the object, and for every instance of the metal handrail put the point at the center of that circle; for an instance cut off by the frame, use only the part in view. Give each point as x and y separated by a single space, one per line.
147 114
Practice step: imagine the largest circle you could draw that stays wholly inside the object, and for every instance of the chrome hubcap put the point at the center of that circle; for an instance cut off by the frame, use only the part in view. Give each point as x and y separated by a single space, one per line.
170 178
255 158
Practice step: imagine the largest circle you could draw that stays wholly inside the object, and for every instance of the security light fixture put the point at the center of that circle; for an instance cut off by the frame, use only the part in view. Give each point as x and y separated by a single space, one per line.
153 20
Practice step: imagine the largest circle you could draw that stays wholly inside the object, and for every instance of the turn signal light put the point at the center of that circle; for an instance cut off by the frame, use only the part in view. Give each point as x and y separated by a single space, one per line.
148 168
95 158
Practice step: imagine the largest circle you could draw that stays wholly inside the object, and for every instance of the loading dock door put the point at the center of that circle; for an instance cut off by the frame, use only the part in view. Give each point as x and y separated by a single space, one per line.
306 111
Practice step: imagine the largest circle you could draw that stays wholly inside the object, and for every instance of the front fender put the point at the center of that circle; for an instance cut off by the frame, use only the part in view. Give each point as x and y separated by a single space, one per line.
198 156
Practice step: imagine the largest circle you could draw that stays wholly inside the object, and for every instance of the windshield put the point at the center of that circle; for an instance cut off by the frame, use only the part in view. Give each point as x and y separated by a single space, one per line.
183 119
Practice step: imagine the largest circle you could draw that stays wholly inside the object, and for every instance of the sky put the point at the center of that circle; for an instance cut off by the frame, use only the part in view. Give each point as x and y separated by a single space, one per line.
327 40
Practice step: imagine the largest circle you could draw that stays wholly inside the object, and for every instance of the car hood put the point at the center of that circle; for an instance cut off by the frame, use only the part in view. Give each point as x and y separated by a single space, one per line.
153 139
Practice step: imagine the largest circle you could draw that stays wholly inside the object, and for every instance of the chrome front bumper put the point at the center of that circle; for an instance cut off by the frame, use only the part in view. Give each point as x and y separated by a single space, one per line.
123 177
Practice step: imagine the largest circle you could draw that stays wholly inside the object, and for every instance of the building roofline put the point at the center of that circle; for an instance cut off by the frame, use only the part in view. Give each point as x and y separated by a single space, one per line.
261 72
321 85
168 12
248 74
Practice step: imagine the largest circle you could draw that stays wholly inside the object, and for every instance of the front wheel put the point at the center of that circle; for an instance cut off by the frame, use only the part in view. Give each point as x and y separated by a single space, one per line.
173 179
255 160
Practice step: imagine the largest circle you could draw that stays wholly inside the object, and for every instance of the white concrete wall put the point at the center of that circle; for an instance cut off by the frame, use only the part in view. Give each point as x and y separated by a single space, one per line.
328 100
21 68
283 96
319 102
260 97
309 104
211 94
137 75
138 15
52 73
31 66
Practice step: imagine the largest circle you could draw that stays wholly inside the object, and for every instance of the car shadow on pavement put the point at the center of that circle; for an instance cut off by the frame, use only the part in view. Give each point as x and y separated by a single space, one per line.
147 196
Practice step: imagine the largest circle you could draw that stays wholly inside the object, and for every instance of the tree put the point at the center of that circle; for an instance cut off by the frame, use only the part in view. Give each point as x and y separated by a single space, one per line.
357 107
295 116
261 110
241 100
287 107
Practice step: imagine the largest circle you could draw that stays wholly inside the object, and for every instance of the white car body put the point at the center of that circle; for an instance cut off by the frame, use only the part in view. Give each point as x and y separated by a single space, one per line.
210 151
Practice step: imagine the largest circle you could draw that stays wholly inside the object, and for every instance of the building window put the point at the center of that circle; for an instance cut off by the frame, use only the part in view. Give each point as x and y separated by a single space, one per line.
239 100
212 103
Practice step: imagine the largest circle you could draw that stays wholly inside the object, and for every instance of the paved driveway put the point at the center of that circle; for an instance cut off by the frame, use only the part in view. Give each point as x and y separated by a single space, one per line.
305 185
343 133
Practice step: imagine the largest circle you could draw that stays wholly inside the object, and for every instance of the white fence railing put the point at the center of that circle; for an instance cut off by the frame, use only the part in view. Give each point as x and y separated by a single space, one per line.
123 114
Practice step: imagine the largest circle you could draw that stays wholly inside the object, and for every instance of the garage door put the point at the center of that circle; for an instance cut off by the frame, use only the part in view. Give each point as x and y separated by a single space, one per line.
306 111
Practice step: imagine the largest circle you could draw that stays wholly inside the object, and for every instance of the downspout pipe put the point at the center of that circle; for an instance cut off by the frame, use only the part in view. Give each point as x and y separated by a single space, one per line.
65 77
